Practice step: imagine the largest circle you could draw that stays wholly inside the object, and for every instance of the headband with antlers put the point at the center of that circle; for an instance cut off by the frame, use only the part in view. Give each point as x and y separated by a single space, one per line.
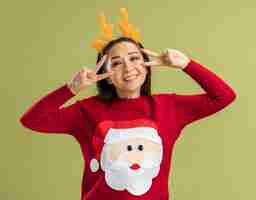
127 30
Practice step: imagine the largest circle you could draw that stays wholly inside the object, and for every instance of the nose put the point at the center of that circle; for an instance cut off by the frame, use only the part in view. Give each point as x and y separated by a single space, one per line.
128 66
135 157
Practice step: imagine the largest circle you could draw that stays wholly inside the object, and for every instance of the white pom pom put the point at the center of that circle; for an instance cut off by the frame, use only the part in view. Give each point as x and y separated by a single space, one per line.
94 165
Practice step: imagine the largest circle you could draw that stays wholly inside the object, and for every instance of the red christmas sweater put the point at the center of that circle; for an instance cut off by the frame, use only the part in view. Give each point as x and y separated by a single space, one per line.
171 112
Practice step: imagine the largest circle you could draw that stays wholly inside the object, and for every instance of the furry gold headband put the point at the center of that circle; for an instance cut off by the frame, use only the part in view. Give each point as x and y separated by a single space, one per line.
127 30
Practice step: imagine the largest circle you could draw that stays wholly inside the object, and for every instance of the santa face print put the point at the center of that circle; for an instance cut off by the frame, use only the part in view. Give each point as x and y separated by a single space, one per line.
129 73
131 164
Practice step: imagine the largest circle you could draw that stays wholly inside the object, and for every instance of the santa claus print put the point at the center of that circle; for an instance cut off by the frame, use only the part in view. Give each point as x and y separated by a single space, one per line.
130 154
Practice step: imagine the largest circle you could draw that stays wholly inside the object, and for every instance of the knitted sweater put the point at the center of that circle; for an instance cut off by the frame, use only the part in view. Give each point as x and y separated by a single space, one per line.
170 111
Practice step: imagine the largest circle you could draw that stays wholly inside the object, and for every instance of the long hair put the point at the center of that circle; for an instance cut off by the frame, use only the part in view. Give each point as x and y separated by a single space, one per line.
107 91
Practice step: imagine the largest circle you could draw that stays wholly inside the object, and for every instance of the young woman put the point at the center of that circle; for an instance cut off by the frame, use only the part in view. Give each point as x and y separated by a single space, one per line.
126 134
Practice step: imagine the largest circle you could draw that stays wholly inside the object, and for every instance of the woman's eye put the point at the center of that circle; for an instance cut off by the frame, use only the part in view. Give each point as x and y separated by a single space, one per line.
114 64
135 58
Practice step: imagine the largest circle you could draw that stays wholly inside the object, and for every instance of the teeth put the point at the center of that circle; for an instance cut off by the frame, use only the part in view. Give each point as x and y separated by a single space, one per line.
129 79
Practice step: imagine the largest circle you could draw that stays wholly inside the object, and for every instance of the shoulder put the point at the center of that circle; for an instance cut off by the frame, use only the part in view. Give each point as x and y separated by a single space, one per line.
92 102
162 99
163 96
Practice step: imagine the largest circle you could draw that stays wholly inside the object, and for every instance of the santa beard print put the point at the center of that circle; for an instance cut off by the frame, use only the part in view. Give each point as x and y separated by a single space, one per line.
119 175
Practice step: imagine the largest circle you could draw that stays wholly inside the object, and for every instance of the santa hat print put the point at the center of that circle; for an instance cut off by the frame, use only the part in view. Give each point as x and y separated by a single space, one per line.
109 132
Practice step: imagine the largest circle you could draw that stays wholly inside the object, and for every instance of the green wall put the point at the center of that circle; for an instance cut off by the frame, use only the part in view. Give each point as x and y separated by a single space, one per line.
44 42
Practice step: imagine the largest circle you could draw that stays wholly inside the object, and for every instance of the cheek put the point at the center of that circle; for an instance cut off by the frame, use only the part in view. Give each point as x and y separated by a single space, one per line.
143 73
116 79
142 69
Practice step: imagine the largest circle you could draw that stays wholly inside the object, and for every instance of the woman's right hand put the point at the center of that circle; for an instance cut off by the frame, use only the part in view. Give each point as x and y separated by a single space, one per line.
86 77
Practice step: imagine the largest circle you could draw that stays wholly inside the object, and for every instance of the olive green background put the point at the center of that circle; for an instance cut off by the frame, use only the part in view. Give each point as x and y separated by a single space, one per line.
43 43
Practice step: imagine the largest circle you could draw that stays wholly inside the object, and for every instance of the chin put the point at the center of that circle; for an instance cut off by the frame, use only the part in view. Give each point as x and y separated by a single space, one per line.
132 86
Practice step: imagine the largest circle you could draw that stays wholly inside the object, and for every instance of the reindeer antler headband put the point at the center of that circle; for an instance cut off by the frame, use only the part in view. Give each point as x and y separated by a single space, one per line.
127 30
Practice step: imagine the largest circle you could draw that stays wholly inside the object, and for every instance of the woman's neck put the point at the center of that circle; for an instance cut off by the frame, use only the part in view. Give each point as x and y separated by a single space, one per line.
128 95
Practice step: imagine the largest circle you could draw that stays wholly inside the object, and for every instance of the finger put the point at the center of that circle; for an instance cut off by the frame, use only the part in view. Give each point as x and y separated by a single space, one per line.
102 76
108 65
91 75
100 63
165 57
150 53
85 71
153 63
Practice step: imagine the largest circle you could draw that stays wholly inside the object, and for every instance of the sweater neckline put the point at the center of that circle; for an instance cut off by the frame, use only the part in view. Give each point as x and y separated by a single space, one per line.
128 101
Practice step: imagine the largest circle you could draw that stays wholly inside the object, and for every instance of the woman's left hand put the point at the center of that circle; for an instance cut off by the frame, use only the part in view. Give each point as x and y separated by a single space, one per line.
169 57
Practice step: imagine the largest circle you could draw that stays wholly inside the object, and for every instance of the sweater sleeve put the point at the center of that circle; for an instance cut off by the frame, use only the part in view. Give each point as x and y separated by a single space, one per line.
46 114
217 95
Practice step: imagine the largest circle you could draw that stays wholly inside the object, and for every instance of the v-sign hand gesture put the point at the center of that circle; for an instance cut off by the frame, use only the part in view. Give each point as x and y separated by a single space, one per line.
169 57
86 77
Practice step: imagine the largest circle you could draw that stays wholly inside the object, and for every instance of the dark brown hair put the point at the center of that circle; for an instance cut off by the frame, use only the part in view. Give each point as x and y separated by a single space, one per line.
107 91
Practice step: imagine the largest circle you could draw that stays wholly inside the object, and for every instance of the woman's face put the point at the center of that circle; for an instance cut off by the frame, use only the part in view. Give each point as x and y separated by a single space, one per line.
127 64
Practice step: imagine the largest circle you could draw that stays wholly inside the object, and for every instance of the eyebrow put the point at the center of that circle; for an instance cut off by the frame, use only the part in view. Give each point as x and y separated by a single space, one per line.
133 52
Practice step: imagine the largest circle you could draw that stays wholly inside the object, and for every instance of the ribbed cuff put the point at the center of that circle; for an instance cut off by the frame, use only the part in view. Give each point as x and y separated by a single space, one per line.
67 90
189 65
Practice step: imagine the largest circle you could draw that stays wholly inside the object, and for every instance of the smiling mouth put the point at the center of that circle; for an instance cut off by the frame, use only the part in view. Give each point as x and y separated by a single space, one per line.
130 79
